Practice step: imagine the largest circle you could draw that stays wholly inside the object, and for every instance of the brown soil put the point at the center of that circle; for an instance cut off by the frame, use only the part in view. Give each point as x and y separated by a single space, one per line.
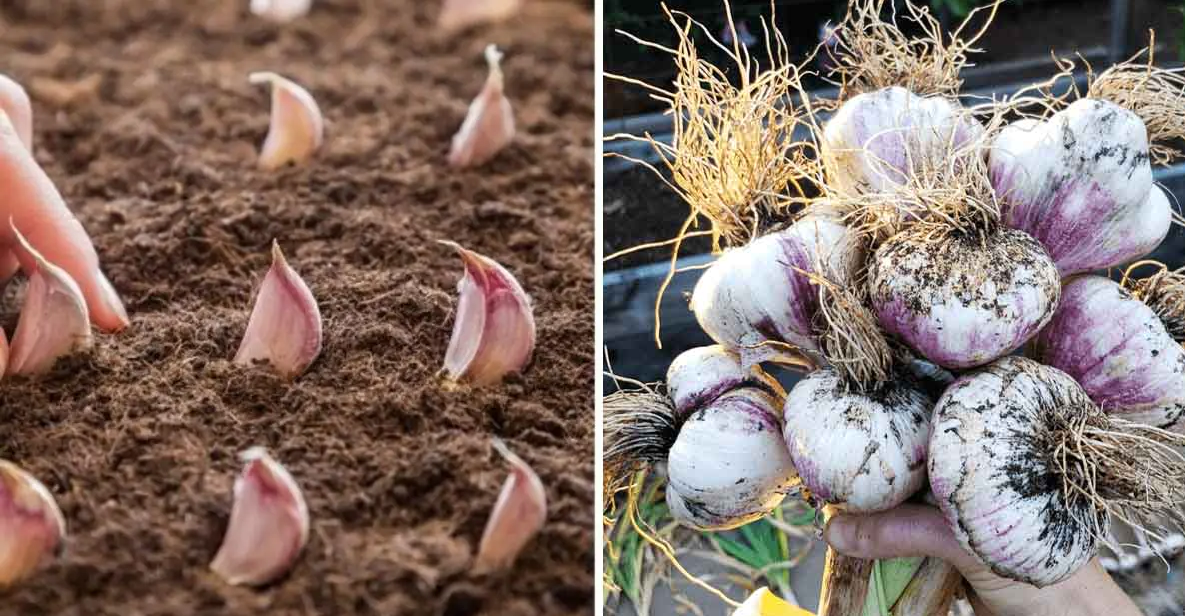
138 439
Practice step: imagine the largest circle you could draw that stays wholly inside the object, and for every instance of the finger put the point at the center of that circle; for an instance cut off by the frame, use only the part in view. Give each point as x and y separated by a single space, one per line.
908 530
33 205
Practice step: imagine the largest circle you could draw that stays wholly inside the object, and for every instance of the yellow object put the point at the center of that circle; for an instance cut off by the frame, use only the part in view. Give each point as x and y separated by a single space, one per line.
765 603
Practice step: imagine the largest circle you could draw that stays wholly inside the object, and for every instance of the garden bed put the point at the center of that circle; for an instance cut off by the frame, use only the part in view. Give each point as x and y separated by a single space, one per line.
138 438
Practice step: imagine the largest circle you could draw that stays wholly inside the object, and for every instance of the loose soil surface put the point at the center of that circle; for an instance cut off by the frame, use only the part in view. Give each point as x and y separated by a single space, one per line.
138 438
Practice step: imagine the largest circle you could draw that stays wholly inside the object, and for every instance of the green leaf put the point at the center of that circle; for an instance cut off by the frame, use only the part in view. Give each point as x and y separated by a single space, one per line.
889 579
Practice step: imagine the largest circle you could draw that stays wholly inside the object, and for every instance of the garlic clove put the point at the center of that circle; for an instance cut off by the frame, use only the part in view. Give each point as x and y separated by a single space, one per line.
494 333
34 203
14 101
54 320
457 14
489 125
31 525
285 324
280 11
518 515
269 523
296 129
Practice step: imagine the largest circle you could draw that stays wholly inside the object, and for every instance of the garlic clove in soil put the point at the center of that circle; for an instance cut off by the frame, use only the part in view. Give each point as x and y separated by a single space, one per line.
489 125
494 333
285 325
518 515
281 11
54 320
14 101
457 14
33 202
269 523
763 602
296 129
31 525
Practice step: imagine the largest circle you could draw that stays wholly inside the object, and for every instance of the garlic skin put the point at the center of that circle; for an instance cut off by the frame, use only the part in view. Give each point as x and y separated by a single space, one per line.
296 129
32 527
959 301
729 465
518 515
1118 350
32 204
54 322
489 124
14 101
997 499
285 325
700 375
494 332
281 11
458 14
754 301
269 524
1081 183
876 140
865 452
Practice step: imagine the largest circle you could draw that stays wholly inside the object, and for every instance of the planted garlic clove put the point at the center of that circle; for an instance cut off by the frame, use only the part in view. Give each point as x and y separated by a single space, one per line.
281 11
494 333
457 14
269 524
285 324
297 128
54 322
14 101
518 515
31 525
489 125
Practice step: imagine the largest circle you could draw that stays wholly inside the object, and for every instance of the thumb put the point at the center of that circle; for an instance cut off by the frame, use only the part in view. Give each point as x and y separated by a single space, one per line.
905 531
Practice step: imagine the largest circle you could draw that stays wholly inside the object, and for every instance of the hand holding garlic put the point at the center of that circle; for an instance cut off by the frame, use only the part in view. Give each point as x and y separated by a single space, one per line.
920 530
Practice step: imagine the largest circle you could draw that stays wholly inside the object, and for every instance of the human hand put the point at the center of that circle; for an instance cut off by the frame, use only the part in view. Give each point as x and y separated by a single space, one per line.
921 530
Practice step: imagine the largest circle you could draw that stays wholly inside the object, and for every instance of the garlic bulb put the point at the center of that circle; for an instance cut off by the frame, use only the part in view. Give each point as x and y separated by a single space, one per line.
962 301
993 472
865 451
729 465
700 375
1081 183
1118 350
876 140
758 300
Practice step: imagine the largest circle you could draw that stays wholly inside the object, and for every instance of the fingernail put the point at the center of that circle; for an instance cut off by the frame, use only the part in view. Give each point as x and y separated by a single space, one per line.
839 535
112 304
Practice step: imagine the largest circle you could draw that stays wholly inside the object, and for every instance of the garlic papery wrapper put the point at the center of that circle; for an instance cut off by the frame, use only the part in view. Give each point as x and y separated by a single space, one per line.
1118 350
518 515
285 324
758 300
489 124
269 524
32 527
863 451
54 322
729 465
494 332
296 128
959 300
700 375
34 205
877 139
1080 182
457 14
14 101
281 11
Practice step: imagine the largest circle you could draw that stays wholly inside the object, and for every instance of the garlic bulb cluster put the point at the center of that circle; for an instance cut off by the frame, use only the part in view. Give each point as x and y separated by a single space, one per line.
759 301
